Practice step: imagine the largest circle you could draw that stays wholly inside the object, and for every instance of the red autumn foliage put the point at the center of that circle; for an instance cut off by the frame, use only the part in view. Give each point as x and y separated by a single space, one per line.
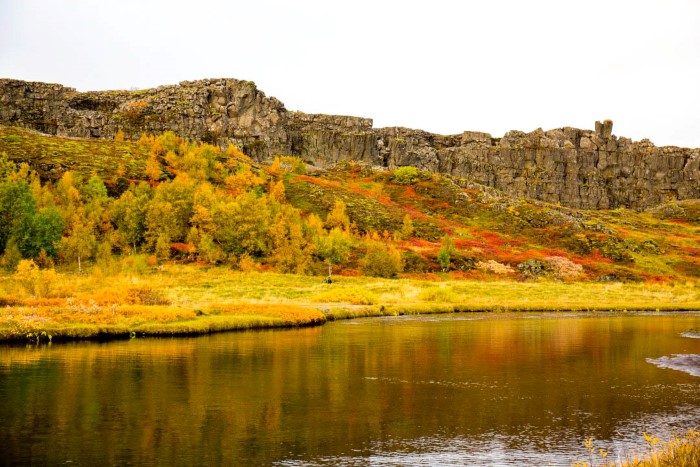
655 278
317 181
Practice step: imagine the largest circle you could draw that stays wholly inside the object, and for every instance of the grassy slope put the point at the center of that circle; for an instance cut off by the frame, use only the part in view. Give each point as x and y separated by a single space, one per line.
51 156
657 259
486 225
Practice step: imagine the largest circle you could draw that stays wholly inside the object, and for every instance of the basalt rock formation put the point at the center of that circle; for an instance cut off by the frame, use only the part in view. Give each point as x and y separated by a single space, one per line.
589 169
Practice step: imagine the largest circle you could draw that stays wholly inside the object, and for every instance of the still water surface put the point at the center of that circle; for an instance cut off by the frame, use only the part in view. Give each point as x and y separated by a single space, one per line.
447 390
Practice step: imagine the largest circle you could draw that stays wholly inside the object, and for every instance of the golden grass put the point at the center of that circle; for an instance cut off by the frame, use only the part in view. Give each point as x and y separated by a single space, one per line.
187 299
679 451
357 296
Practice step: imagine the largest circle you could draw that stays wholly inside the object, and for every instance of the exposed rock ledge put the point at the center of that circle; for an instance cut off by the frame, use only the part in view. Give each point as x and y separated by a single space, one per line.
590 169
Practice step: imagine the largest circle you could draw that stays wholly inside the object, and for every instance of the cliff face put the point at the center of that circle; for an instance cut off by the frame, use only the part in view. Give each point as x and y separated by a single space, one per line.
577 168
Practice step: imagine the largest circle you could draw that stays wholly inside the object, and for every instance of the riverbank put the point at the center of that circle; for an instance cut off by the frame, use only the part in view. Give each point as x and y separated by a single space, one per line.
679 451
192 300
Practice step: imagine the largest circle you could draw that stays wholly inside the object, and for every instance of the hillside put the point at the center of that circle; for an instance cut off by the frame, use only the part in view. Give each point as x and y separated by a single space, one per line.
407 214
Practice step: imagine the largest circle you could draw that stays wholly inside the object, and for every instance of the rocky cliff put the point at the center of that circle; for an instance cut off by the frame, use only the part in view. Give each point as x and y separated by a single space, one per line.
590 169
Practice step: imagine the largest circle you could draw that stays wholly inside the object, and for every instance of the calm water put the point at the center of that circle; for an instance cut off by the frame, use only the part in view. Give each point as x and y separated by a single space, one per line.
453 390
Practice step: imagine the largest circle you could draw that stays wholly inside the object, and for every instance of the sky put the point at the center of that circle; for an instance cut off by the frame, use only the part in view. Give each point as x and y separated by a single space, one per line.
440 66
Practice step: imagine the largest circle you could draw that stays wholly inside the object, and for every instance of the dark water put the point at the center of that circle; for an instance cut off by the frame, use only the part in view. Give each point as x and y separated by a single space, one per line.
452 390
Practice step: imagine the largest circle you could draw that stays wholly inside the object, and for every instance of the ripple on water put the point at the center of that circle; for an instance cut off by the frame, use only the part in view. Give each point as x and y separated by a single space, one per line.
691 334
689 363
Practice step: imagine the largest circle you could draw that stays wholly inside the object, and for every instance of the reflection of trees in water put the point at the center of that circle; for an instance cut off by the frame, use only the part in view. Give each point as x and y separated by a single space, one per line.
257 397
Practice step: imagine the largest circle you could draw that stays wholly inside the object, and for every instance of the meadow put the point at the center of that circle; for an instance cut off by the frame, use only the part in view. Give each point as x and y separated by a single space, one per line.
191 299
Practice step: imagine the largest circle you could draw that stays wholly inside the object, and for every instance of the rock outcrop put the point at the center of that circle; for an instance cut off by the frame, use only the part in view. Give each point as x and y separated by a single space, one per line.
577 168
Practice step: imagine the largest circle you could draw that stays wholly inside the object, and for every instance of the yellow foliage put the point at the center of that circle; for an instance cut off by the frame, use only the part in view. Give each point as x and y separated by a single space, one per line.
277 191
35 281
276 167
233 151
338 217
153 170
145 140
243 180
248 264
119 137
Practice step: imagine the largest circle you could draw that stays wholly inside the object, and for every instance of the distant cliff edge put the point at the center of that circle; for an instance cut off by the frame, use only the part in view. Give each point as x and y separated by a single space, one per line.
587 169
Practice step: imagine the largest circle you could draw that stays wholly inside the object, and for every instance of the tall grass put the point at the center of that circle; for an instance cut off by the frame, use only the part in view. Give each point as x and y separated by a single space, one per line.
679 451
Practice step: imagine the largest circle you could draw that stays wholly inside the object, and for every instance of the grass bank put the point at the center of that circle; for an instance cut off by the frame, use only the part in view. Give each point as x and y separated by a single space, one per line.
679 451
190 300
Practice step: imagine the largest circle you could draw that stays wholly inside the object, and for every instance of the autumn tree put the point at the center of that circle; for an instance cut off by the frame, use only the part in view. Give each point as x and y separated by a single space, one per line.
407 228
277 192
169 212
202 227
80 242
243 179
276 167
153 170
43 234
382 261
242 225
292 246
337 217
333 247
447 250
17 210
128 213
7 167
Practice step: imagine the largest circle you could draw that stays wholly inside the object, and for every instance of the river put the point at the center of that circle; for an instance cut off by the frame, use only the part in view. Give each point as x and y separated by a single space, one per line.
464 389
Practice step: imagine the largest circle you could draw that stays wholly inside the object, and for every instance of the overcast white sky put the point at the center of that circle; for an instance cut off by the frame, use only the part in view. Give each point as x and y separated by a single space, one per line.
442 66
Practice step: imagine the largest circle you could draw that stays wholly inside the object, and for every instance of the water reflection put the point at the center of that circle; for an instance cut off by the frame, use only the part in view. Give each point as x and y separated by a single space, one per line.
496 389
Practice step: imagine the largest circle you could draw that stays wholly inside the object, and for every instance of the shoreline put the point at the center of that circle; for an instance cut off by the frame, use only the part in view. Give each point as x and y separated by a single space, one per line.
185 300
204 326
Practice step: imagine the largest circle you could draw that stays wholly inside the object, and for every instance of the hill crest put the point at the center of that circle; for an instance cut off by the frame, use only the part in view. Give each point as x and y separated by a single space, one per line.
585 169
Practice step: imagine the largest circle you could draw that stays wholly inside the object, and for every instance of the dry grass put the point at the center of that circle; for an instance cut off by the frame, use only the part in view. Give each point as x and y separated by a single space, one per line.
187 299
679 451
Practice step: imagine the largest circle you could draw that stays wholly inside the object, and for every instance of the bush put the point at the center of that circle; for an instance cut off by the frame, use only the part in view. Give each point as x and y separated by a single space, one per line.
248 264
12 256
407 175
494 267
531 269
135 264
382 262
464 263
563 268
35 281
147 296
413 262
